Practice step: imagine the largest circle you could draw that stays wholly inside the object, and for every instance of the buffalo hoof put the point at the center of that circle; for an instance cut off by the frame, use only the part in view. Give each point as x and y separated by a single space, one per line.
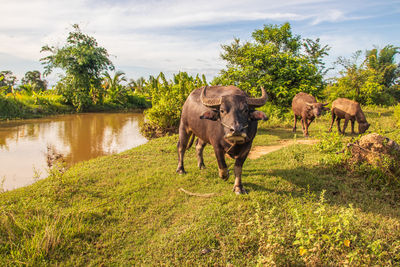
202 166
181 171
239 190
224 174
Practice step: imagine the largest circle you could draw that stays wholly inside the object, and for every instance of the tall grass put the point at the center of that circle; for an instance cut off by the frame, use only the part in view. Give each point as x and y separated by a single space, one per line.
27 106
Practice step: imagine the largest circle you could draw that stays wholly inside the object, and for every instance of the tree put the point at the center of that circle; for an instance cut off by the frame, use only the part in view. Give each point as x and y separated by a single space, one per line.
384 63
274 60
137 85
316 52
369 81
115 91
83 62
7 81
33 78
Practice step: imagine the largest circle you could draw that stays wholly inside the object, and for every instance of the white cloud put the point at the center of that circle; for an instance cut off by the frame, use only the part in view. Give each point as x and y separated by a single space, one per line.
160 35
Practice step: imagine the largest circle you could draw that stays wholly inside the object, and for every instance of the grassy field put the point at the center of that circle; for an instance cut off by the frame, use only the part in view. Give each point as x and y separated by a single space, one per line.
23 106
126 209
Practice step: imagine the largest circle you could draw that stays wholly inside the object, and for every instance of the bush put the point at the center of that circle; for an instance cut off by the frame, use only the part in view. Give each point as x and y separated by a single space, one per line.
167 99
27 106
277 116
371 157
397 114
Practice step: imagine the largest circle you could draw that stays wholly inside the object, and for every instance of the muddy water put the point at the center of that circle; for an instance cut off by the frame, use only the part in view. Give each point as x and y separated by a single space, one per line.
24 145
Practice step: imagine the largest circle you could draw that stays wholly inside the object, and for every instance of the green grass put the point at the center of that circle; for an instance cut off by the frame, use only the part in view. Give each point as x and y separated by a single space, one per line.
126 209
22 106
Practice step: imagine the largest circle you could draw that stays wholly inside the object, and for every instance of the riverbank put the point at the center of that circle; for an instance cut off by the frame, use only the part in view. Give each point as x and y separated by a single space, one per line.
37 106
126 209
28 147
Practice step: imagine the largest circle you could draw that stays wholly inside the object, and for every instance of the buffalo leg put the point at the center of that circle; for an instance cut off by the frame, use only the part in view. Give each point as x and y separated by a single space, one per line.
182 144
305 127
200 144
346 121
333 121
223 169
308 124
295 122
238 187
338 125
311 120
352 126
302 123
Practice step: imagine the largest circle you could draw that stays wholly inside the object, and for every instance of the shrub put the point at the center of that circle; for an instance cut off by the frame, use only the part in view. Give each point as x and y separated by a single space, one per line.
167 99
397 114
371 157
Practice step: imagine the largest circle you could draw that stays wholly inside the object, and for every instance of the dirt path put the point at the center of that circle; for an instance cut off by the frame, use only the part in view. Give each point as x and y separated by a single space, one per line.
258 151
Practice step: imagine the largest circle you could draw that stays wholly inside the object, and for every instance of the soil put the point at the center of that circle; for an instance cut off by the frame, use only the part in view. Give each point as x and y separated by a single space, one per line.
258 151
372 147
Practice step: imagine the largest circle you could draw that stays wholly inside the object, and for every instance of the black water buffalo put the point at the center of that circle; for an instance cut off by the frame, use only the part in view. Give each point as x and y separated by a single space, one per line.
224 117
307 108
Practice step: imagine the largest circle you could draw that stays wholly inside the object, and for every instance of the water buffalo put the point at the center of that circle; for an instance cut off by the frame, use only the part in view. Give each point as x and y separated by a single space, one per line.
307 108
347 109
224 117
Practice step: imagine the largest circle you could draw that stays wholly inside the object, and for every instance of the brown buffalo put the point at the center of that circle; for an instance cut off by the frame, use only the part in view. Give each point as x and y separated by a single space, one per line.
349 110
224 117
307 108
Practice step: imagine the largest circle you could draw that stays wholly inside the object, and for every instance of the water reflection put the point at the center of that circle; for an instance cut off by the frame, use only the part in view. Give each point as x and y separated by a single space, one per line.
23 144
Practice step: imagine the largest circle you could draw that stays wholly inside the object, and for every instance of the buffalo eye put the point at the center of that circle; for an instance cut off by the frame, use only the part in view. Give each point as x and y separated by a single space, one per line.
222 111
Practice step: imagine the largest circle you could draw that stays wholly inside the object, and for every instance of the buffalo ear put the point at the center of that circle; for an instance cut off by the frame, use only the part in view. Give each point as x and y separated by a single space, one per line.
210 115
258 115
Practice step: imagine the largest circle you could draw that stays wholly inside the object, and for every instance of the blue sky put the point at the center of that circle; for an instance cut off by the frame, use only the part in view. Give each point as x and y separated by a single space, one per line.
145 37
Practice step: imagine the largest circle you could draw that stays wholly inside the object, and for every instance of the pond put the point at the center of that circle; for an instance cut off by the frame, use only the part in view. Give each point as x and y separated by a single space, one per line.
25 145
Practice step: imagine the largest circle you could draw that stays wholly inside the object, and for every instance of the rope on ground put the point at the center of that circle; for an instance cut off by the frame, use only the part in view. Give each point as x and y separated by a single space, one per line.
196 194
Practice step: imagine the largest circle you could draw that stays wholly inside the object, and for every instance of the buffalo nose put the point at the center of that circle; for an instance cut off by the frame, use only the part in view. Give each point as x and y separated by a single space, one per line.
237 130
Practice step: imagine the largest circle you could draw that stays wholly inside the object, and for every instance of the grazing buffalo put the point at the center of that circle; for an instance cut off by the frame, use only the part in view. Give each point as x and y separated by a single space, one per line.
343 108
307 108
224 117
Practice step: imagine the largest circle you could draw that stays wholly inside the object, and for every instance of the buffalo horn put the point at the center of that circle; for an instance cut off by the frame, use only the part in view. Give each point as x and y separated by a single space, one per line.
309 104
260 101
209 101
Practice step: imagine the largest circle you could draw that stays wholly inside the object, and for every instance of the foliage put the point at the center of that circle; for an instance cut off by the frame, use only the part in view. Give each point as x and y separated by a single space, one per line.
274 60
115 91
369 82
277 116
397 114
34 81
31 105
384 63
7 81
167 99
137 85
339 153
83 62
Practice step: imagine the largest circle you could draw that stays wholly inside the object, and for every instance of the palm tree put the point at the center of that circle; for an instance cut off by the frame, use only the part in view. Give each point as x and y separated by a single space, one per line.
115 90
137 85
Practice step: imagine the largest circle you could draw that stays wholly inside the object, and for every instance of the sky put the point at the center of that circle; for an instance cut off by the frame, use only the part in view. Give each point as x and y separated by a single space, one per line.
145 37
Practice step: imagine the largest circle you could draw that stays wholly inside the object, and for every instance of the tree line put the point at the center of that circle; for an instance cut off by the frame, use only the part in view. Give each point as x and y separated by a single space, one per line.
277 59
